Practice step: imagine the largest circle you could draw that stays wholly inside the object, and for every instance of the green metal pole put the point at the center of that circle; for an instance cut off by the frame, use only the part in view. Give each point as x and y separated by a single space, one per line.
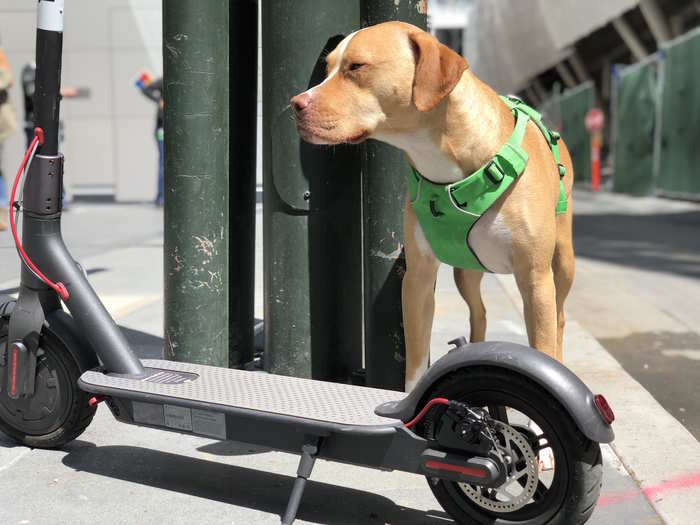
384 183
196 92
311 209
243 49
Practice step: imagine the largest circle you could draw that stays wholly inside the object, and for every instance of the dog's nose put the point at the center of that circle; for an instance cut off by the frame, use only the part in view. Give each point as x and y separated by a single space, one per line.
300 102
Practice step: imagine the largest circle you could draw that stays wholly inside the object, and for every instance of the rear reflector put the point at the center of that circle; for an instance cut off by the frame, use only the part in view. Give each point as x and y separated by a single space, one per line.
604 409
461 469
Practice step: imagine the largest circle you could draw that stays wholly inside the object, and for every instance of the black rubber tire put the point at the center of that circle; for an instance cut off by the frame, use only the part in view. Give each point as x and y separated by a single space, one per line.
577 459
76 413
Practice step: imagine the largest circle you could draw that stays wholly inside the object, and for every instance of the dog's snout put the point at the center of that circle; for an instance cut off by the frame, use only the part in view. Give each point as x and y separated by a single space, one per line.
300 102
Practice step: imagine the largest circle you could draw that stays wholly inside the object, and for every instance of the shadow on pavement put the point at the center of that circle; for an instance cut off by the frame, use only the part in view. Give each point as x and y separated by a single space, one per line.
243 487
144 345
668 368
7 442
665 242
232 448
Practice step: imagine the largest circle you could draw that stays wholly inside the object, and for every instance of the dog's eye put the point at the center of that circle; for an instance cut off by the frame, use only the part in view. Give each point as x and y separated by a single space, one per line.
355 66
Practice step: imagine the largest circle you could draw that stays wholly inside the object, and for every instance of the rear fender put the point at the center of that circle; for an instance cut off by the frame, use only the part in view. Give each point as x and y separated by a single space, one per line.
551 375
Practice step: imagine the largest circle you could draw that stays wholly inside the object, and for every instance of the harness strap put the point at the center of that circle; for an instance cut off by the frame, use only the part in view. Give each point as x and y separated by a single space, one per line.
483 187
509 162
552 138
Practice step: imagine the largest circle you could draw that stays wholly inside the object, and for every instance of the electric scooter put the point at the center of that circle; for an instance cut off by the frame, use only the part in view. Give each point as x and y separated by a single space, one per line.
475 425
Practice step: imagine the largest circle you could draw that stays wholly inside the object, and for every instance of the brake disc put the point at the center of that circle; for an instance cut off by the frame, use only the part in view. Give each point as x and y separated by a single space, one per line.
514 493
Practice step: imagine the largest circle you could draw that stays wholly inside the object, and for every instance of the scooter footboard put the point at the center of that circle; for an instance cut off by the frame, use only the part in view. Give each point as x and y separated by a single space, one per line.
268 410
550 374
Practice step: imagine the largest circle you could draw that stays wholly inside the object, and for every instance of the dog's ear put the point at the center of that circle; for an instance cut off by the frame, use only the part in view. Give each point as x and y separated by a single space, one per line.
438 69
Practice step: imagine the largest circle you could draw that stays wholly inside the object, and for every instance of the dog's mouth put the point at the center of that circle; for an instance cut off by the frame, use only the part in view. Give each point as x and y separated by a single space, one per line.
360 137
313 137
310 136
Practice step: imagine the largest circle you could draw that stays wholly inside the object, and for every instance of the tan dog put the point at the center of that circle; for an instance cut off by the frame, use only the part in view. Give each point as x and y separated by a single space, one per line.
395 83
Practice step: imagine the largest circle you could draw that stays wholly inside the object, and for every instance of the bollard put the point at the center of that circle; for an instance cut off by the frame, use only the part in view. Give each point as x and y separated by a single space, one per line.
243 82
196 84
384 184
311 211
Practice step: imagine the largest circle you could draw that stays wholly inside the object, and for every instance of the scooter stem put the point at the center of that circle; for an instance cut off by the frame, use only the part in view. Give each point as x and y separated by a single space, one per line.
41 221
49 50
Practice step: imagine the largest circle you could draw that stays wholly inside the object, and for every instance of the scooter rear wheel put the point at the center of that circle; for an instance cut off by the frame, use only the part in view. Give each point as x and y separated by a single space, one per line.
566 495
59 411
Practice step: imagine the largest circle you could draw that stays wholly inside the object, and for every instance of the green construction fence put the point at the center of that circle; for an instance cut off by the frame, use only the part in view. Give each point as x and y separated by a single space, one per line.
574 104
679 151
566 112
656 122
633 118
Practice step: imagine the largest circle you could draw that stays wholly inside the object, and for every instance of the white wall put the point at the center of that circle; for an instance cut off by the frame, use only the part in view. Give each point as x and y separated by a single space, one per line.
109 141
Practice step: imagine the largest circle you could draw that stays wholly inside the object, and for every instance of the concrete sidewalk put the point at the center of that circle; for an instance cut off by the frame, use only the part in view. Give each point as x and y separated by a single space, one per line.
116 474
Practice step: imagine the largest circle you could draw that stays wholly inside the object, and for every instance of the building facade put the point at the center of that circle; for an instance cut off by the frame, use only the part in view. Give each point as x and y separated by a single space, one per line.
108 134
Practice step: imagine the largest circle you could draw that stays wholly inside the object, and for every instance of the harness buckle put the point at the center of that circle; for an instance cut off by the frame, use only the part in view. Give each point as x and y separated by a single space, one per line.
562 170
493 172
454 198
554 136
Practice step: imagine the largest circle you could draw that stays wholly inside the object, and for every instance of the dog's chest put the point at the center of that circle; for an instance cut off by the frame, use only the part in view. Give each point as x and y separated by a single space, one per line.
427 158
490 239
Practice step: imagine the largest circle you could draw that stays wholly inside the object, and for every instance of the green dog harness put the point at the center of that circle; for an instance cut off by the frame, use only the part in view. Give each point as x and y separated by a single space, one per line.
447 212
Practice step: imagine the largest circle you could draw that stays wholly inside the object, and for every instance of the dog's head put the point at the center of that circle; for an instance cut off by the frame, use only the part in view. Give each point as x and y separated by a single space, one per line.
380 80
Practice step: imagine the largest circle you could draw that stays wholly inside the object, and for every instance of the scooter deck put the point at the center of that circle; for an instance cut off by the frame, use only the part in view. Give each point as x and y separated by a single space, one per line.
226 390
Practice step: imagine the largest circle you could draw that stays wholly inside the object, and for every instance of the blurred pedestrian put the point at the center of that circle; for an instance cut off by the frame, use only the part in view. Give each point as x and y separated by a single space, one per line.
8 124
29 88
153 89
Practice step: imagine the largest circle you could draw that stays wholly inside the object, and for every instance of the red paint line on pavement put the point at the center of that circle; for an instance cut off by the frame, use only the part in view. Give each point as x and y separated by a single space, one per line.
612 498
683 482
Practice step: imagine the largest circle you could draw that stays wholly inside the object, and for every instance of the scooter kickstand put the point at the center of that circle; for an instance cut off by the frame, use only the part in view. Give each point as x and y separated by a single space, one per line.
309 452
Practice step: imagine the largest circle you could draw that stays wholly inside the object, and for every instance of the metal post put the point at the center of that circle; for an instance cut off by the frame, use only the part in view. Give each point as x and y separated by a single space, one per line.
196 93
656 20
311 212
243 82
578 67
565 75
629 37
384 182
605 78
539 89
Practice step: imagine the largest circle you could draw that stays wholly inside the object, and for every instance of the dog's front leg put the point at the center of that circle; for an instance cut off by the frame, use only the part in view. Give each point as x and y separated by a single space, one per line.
417 298
539 308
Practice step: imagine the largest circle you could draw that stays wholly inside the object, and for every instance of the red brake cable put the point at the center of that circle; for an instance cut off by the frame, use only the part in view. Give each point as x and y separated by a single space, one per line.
428 406
58 287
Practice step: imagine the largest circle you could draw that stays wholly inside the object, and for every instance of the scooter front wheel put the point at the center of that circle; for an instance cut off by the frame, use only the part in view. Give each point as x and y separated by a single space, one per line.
556 472
59 411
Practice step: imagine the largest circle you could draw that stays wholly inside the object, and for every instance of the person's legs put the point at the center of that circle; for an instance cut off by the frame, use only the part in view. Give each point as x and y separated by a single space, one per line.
159 194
